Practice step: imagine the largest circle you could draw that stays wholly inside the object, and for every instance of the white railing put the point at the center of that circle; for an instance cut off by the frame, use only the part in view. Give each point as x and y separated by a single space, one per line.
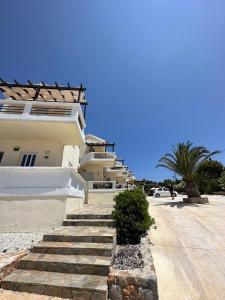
41 181
104 156
96 185
104 185
117 170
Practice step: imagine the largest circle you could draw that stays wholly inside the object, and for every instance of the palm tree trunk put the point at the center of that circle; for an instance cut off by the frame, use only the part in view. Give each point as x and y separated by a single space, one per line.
192 190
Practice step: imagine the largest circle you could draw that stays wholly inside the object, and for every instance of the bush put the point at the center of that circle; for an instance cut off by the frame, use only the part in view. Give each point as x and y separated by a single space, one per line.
208 176
222 181
131 217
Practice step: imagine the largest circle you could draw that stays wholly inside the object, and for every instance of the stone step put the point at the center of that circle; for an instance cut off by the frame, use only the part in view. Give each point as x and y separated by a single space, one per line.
88 216
65 248
83 234
70 286
76 264
88 222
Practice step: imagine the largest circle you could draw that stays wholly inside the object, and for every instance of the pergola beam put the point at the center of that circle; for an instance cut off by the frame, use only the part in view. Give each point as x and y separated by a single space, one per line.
32 85
42 89
106 145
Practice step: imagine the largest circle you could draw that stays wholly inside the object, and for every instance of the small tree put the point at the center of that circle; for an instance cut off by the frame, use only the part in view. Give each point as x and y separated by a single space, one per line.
131 216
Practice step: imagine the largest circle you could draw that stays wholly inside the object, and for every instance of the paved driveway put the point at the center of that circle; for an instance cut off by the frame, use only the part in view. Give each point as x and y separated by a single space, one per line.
189 248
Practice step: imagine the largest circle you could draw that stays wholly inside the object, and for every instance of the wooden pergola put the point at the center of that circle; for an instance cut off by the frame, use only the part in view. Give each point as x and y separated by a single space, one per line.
44 92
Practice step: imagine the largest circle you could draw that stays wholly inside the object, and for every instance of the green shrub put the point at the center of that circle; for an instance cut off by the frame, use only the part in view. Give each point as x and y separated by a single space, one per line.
222 181
208 175
131 216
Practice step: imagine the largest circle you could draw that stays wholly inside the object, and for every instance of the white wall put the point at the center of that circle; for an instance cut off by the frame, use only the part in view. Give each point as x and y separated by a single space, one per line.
49 153
95 169
41 181
35 215
71 156
104 198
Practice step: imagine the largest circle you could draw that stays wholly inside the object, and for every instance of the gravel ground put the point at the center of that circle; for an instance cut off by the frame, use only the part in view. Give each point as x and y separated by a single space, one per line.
11 242
128 257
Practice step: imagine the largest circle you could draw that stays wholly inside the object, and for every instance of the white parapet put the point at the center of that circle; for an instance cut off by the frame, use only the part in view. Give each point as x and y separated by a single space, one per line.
41 182
106 159
63 122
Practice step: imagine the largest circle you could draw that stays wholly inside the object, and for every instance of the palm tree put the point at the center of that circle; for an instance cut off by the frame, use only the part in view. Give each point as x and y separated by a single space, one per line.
185 160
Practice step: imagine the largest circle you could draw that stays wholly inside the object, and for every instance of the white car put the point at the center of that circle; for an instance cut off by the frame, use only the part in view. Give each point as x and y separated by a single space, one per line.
163 192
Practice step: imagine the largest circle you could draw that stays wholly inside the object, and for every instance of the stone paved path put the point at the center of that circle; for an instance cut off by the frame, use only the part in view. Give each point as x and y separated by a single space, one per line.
189 248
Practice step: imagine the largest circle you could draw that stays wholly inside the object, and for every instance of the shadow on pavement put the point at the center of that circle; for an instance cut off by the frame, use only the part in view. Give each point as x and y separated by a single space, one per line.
178 204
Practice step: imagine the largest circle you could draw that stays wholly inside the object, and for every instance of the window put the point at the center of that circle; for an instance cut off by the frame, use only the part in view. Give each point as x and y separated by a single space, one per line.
1 156
28 159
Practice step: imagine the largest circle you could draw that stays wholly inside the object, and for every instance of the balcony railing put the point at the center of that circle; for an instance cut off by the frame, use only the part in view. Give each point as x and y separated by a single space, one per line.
104 155
11 109
49 109
42 181
98 157
104 185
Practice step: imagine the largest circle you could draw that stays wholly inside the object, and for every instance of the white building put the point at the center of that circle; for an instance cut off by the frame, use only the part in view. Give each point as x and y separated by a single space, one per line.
41 129
100 167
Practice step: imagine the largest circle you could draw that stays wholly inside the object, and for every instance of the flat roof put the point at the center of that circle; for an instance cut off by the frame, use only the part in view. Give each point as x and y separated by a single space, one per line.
43 92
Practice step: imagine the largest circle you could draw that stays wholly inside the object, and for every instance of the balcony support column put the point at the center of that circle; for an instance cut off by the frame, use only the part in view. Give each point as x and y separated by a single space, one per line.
74 112
27 109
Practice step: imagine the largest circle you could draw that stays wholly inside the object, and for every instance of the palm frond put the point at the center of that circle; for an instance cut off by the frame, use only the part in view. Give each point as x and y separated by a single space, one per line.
185 159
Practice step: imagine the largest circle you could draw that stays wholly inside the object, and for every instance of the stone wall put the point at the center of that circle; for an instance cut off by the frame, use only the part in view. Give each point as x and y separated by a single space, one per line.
137 284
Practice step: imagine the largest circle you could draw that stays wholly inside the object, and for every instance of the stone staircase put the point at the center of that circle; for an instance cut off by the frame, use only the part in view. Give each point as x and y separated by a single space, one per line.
72 261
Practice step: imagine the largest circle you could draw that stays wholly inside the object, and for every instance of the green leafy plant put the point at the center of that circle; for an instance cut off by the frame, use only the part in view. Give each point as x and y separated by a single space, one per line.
185 160
208 176
222 181
131 216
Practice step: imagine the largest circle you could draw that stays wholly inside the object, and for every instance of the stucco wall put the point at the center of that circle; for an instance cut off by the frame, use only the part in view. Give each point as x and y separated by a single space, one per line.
114 177
71 156
49 153
95 169
34 215
101 197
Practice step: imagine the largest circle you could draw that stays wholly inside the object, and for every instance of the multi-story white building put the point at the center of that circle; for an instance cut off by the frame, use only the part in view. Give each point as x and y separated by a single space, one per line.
41 129
100 167
42 147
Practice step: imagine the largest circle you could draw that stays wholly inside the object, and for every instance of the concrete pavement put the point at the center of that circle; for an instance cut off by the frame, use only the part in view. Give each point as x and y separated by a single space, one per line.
189 248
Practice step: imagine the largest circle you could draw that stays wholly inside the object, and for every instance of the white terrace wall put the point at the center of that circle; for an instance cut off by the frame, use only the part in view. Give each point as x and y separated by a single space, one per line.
36 199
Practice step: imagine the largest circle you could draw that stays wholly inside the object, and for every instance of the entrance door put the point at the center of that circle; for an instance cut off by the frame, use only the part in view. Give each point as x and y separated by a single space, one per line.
28 159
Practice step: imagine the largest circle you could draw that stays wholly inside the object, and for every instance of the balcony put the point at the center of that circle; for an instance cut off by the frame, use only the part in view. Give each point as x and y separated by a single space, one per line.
26 120
104 185
106 159
115 170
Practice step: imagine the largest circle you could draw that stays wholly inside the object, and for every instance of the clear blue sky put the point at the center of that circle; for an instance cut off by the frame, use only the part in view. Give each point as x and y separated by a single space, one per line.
154 69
